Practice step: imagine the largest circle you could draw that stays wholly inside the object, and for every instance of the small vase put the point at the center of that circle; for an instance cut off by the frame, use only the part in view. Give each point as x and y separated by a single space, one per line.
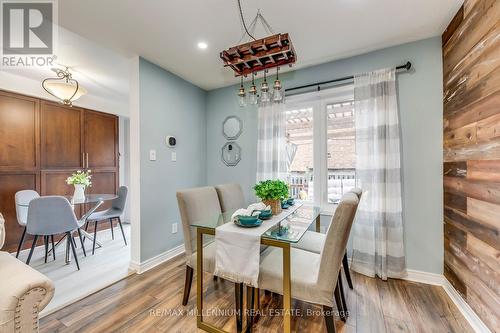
275 205
79 194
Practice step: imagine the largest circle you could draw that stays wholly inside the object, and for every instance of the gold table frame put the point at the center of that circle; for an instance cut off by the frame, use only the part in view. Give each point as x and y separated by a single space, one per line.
287 282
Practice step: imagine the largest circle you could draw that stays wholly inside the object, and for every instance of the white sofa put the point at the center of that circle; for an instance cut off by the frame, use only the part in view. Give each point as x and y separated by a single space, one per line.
24 292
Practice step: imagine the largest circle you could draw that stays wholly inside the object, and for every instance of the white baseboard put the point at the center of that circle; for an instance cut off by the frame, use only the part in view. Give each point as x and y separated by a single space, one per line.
439 280
156 260
469 314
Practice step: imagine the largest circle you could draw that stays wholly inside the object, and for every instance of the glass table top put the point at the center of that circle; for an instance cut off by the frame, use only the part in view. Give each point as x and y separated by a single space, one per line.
290 229
89 198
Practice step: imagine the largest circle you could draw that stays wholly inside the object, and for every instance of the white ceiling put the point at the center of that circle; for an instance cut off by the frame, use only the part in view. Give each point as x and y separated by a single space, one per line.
167 32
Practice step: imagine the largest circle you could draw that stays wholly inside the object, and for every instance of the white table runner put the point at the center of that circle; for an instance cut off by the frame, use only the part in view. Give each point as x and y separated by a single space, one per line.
237 249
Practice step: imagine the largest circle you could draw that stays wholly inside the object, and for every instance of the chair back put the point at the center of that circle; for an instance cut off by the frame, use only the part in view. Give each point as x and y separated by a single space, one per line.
22 199
119 203
2 230
50 215
196 204
357 191
231 197
336 241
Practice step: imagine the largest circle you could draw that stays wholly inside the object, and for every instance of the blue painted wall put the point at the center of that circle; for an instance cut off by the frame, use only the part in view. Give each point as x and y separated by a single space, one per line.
420 105
169 105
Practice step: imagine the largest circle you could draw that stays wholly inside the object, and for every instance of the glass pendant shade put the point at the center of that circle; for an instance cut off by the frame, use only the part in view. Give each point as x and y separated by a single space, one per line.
277 91
64 91
242 96
252 95
264 92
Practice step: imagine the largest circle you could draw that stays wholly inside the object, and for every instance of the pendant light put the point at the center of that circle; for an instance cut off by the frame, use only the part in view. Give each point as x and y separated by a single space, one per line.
264 90
241 95
252 92
64 87
277 89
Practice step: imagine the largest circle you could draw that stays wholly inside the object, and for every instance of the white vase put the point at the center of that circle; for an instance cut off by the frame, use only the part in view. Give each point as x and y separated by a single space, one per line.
79 194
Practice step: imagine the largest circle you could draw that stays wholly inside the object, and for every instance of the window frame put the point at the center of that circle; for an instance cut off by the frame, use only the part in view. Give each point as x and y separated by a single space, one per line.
319 101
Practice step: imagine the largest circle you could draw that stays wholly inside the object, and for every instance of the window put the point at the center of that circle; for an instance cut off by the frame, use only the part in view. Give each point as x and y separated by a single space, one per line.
321 134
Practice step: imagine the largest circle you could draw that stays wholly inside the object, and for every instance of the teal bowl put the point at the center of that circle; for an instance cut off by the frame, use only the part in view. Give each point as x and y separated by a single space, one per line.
248 220
265 214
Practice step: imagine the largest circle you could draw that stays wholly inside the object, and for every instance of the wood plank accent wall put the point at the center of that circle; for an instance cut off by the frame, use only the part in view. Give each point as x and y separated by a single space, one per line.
471 143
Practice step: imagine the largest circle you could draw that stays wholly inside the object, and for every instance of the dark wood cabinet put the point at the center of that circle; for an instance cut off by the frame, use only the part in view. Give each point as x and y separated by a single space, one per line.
61 136
42 143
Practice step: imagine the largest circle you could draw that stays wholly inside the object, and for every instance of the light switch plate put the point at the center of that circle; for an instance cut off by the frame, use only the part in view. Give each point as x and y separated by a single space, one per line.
152 155
174 156
174 228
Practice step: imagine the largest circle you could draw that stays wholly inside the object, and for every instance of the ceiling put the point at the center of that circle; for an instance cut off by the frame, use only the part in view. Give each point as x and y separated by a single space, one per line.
167 32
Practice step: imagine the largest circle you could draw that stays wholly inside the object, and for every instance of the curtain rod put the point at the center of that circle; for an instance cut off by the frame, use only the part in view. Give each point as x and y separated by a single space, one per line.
406 67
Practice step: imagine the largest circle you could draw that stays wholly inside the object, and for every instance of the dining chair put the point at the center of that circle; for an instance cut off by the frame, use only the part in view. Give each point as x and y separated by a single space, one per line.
22 199
52 215
116 210
231 196
313 242
314 277
198 204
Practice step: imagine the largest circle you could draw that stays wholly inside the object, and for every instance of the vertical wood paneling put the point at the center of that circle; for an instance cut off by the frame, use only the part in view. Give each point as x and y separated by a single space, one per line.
471 151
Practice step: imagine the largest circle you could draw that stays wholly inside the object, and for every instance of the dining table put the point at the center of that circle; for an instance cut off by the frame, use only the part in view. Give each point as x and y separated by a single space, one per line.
94 201
287 231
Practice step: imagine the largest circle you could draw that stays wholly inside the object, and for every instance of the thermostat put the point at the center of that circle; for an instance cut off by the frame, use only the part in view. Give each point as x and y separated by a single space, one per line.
171 141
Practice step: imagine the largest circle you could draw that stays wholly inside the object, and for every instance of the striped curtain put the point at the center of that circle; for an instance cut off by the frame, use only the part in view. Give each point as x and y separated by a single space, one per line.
378 248
272 159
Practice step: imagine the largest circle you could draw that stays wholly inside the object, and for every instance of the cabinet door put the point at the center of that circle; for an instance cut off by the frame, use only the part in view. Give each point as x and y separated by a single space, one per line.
61 136
19 121
104 182
101 140
10 183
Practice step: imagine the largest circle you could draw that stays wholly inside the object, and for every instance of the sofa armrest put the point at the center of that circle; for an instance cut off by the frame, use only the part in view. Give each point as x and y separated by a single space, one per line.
24 292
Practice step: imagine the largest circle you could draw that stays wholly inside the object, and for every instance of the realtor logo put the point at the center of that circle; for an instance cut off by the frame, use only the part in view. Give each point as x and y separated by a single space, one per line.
28 31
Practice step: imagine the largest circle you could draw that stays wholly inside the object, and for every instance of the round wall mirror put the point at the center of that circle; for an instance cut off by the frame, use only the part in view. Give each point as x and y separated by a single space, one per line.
232 127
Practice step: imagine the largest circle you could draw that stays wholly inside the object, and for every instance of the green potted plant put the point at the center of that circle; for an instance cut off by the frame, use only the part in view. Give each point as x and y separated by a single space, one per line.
272 192
79 179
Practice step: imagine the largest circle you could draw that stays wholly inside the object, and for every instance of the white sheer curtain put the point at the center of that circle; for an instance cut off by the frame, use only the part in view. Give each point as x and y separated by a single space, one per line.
272 159
378 231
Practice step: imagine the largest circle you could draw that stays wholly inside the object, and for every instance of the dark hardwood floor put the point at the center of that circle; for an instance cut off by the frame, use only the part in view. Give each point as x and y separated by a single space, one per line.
151 302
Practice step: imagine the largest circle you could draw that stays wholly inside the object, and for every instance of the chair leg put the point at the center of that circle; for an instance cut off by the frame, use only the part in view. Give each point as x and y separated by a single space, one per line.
81 242
238 297
21 242
46 244
53 247
215 278
95 236
73 249
338 300
329 319
342 296
250 308
345 263
187 284
112 231
123 233
32 249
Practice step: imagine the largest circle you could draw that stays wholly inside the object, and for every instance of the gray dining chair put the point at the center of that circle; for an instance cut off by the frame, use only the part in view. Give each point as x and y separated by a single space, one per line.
22 199
52 215
231 197
115 212
314 277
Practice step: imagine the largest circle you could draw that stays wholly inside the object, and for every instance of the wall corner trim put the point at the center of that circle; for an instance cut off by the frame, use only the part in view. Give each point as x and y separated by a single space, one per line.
439 280
141 267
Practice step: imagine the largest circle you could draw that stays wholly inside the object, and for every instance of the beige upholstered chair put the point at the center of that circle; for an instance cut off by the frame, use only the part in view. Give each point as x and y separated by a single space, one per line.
314 276
313 242
24 292
197 204
230 196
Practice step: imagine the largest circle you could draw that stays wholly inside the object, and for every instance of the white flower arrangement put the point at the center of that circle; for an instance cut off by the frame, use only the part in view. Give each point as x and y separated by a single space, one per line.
80 177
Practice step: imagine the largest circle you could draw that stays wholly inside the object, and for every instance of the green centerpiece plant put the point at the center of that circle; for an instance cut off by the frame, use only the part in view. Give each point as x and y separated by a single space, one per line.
272 192
80 180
